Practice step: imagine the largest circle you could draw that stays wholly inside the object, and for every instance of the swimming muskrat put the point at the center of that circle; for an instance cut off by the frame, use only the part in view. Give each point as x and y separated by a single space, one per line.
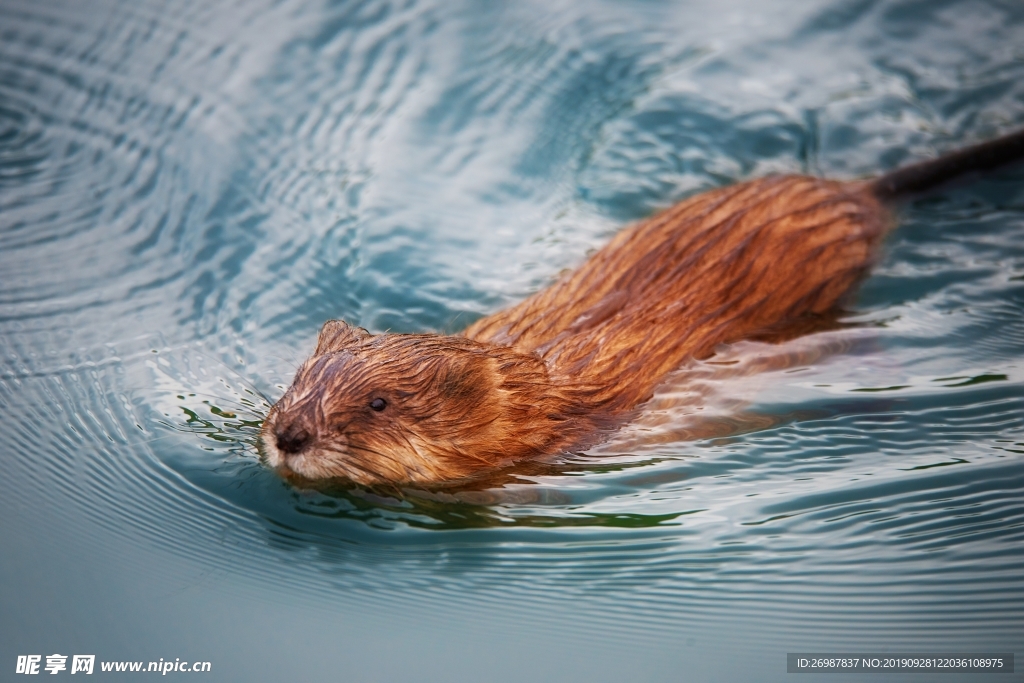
562 369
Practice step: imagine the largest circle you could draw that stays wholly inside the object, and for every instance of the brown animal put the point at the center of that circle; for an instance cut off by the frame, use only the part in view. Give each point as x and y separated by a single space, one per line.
573 362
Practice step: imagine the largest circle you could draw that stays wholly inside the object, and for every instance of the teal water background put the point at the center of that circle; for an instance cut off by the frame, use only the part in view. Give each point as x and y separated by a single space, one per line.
188 190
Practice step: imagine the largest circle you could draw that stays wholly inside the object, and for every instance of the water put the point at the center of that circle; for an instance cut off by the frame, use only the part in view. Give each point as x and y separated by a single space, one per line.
188 190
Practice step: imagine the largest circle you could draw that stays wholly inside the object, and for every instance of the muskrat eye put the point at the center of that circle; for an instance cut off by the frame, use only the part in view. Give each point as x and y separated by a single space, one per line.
378 404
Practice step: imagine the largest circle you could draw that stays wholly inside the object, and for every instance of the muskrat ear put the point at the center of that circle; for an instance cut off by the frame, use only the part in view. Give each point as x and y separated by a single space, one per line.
462 379
337 335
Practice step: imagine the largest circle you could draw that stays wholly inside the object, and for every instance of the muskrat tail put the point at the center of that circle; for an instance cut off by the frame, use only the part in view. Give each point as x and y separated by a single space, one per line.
921 177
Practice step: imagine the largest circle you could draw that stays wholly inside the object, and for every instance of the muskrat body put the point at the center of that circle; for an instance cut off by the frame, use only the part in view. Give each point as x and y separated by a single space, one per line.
563 368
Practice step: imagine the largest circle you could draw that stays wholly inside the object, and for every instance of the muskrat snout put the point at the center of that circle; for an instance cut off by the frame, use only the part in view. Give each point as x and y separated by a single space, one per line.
291 438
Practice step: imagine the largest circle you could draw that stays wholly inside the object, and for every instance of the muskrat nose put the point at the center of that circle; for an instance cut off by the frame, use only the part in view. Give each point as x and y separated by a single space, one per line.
291 438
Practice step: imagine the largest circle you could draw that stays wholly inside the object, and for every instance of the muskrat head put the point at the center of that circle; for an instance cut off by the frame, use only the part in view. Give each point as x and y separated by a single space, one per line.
412 408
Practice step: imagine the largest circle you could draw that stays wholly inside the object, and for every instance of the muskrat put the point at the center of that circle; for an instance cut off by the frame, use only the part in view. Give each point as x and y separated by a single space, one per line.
567 366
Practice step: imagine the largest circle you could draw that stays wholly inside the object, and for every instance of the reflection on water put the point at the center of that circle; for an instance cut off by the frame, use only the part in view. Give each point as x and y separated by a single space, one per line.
186 195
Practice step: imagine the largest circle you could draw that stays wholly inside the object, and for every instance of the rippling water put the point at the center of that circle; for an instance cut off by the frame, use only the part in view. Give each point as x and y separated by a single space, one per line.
188 190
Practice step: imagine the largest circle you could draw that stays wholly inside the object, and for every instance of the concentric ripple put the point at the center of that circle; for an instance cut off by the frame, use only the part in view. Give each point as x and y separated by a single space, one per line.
188 192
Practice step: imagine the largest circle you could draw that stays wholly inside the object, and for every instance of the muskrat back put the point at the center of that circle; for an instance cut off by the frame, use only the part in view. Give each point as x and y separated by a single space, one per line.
715 268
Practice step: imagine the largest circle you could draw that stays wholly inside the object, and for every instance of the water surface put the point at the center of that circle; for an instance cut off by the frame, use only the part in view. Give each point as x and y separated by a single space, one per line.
189 190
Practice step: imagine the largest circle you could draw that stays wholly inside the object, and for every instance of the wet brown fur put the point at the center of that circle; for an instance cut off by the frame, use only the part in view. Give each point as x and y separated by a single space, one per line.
564 367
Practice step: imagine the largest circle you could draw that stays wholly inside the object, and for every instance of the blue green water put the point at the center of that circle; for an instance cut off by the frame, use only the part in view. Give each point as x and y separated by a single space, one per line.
189 190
